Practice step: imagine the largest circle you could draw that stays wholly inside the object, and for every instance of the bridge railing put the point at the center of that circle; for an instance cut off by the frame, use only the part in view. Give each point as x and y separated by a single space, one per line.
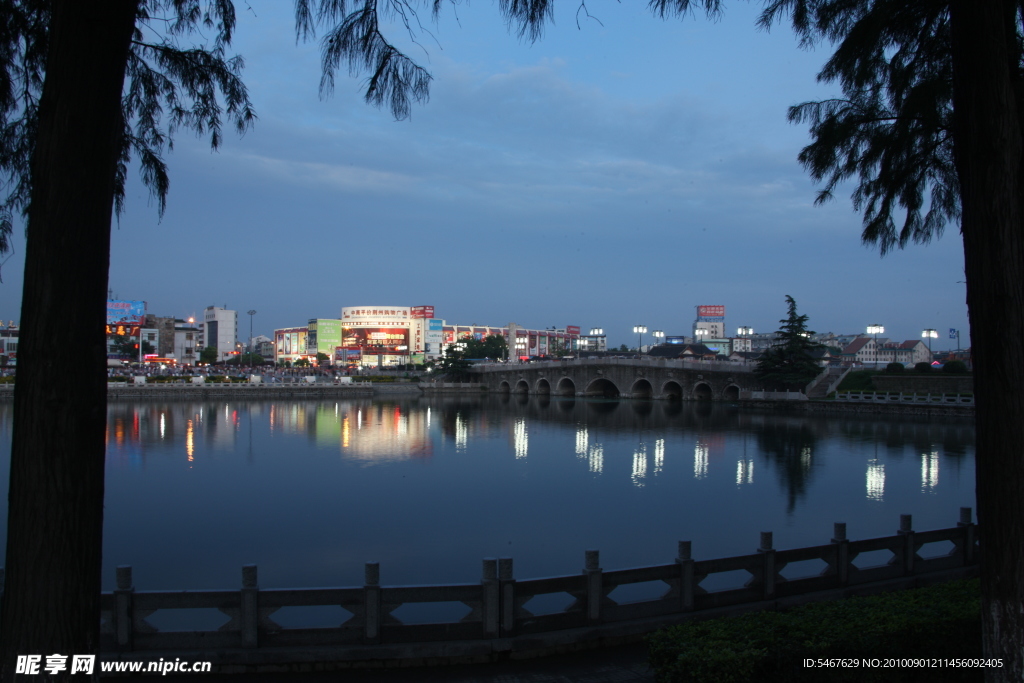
645 361
500 607
931 399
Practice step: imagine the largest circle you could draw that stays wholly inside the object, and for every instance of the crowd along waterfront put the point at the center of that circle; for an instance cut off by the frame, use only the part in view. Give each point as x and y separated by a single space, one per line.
427 487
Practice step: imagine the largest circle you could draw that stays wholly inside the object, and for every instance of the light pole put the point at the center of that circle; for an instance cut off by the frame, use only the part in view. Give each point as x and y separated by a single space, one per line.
658 335
876 330
745 331
595 332
700 334
639 330
930 334
251 313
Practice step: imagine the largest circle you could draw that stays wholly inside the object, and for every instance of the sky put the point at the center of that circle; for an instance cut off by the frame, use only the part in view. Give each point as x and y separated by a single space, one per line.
620 171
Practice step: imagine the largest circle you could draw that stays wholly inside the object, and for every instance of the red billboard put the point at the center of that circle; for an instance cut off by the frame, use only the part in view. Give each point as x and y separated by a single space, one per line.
711 311
422 311
572 329
376 340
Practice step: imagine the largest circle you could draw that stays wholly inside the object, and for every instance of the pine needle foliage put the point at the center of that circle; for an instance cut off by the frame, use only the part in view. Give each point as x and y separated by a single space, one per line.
891 133
790 364
168 86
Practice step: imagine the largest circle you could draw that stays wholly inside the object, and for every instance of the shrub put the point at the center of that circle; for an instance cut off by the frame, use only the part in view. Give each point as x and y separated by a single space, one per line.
955 367
895 368
923 367
942 621
857 380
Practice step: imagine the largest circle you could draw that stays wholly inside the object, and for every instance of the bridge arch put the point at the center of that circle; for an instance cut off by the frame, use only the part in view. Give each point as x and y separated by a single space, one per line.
543 387
504 387
731 393
702 391
566 387
672 391
522 387
641 389
602 387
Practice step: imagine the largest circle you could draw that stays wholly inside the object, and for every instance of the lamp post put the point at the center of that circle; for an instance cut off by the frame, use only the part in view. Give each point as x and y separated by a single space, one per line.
639 330
876 330
700 333
930 334
251 313
596 332
745 331
658 335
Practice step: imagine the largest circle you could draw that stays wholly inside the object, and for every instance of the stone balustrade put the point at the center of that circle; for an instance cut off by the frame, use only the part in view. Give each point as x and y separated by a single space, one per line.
501 616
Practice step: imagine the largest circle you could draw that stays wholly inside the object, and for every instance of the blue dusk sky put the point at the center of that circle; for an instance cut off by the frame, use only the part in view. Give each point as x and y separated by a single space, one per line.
615 173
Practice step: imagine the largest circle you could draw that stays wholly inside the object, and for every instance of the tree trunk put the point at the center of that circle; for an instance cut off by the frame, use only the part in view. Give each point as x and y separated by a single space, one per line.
989 154
54 542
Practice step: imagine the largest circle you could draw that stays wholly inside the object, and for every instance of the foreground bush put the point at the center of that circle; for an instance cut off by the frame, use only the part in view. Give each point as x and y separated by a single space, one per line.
941 622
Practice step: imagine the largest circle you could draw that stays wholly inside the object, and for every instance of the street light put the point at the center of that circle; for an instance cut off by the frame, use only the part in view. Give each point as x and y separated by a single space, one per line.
930 334
700 333
876 330
639 330
745 331
659 335
251 313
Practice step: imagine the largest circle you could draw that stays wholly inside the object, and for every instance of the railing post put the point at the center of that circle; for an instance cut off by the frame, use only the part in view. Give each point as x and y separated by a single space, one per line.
249 612
769 565
842 553
371 603
123 607
595 584
507 585
907 531
489 598
969 530
685 562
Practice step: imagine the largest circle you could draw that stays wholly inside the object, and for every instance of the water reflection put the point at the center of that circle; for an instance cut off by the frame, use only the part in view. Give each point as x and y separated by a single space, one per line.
313 489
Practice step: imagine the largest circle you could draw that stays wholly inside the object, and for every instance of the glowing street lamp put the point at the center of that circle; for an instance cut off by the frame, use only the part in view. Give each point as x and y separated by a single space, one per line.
700 333
876 330
639 330
658 335
745 331
930 334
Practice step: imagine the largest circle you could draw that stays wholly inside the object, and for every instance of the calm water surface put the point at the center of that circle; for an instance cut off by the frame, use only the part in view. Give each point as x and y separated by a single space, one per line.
311 490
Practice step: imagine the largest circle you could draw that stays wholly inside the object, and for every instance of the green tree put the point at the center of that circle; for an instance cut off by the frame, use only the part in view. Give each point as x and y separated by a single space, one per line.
301 363
208 355
790 364
321 358
491 346
84 89
454 362
931 130
129 346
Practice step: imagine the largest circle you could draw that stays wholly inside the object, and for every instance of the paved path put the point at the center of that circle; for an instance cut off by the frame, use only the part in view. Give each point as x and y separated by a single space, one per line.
621 664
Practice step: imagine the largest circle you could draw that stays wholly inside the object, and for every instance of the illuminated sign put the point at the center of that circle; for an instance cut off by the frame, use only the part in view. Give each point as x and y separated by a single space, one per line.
423 311
710 312
375 340
126 312
124 330
572 329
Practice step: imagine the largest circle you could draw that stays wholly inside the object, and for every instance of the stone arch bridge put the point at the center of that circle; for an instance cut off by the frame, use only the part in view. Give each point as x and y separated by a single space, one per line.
656 378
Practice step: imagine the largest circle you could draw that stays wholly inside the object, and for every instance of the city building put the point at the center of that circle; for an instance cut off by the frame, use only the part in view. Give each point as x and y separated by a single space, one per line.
220 330
185 347
323 336
709 324
290 345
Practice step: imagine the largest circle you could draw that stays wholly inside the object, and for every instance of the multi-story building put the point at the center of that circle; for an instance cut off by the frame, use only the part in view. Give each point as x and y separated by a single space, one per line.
220 330
290 344
186 342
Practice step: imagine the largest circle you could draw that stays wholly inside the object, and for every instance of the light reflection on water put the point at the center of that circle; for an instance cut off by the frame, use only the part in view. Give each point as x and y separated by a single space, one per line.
311 490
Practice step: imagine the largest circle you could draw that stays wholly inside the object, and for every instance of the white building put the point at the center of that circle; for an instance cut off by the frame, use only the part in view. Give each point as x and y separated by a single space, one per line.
220 330
186 342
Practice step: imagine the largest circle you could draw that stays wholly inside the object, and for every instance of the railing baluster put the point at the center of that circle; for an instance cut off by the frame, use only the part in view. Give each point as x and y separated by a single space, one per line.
371 603
685 562
595 584
768 567
249 612
123 607
842 553
508 595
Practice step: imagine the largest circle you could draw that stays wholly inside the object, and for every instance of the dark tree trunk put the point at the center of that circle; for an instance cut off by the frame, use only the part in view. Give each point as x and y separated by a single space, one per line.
988 152
54 542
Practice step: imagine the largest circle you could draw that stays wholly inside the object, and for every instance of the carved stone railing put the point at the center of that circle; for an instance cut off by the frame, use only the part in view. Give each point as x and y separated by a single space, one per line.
499 609
929 399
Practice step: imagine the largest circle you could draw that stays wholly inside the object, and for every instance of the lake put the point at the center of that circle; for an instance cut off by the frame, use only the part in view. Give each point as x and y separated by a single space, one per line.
311 490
